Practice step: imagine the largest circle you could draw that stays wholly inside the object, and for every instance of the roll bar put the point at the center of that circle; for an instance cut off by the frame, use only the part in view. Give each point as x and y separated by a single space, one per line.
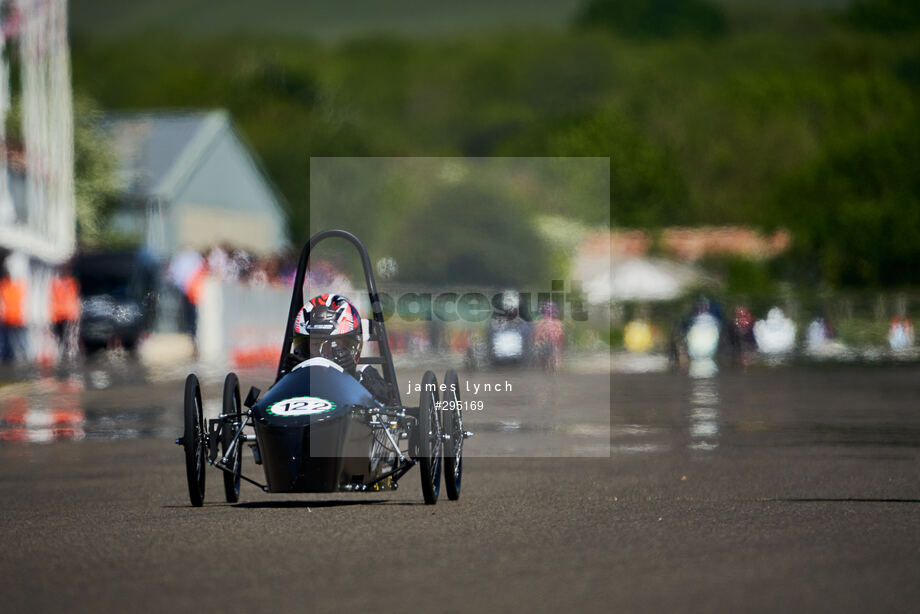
378 329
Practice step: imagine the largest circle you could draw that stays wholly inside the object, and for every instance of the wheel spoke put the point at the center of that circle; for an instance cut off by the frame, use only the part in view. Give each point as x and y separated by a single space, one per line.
456 434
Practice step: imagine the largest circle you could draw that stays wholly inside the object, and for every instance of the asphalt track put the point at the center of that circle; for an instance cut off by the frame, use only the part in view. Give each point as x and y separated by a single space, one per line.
767 491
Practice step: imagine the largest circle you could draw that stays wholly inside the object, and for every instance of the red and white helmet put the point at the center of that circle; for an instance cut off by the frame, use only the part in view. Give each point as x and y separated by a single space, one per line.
329 326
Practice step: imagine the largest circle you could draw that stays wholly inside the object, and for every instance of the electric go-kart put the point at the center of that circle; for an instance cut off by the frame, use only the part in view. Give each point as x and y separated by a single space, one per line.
318 430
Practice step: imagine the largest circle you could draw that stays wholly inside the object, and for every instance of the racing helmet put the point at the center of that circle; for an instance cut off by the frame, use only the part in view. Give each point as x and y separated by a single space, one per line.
329 326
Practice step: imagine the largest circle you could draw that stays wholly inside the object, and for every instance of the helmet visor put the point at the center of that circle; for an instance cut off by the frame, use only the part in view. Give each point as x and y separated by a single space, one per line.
335 348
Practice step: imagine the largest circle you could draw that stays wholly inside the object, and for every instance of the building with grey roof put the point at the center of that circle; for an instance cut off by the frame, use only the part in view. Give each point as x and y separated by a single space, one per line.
191 182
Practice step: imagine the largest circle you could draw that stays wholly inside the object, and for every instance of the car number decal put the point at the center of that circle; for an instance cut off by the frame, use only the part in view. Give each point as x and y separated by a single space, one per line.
300 406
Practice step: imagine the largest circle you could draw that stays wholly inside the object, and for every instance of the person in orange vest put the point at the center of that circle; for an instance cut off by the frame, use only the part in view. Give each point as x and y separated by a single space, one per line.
193 289
12 317
65 309
188 271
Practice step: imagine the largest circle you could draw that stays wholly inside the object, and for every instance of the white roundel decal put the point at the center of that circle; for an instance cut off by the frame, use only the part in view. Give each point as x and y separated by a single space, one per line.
301 406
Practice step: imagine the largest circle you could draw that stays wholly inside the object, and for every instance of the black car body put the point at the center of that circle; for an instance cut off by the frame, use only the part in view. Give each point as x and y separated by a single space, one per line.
310 436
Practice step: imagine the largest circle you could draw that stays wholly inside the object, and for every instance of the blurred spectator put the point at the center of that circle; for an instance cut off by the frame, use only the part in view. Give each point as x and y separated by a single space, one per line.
698 334
187 272
258 276
775 334
12 317
273 269
435 333
419 342
65 310
744 321
741 335
901 333
703 305
235 265
242 262
637 336
460 341
288 270
221 265
818 334
549 336
510 337
319 274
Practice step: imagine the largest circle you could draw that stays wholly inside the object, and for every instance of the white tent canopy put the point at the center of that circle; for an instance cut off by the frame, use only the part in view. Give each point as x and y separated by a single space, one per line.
635 279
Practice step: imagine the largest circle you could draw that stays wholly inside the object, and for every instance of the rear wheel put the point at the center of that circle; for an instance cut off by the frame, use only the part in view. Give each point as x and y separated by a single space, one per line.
453 428
428 439
194 441
228 431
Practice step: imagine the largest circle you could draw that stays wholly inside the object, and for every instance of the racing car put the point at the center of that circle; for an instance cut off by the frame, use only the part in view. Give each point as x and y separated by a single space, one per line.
317 429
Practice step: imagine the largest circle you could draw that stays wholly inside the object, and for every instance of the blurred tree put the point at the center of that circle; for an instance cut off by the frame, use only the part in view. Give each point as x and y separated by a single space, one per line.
647 187
743 276
95 181
857 210
467 234
656 18
884 15
696 133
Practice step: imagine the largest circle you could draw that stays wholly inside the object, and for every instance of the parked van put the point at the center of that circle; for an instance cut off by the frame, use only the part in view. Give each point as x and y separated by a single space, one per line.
118 290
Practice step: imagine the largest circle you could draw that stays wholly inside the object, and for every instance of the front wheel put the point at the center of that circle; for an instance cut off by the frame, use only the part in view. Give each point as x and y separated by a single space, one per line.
228 431
428 439
194 441
453 429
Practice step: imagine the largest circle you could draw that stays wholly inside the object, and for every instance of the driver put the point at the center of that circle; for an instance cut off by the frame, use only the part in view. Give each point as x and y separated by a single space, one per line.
329 326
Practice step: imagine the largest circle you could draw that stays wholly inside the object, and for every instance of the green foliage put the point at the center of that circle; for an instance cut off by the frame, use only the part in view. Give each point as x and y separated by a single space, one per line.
761 125
742 276
857 209
95 183
863 332
470 235
647 187
884 15
615 337
651 19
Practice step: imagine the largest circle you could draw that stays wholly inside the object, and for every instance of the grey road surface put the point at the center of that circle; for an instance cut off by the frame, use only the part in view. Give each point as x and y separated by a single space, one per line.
774 490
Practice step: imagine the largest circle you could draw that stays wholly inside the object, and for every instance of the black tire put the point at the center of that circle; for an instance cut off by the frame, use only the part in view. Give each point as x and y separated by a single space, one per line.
453 427
195 441
228 432
428 439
